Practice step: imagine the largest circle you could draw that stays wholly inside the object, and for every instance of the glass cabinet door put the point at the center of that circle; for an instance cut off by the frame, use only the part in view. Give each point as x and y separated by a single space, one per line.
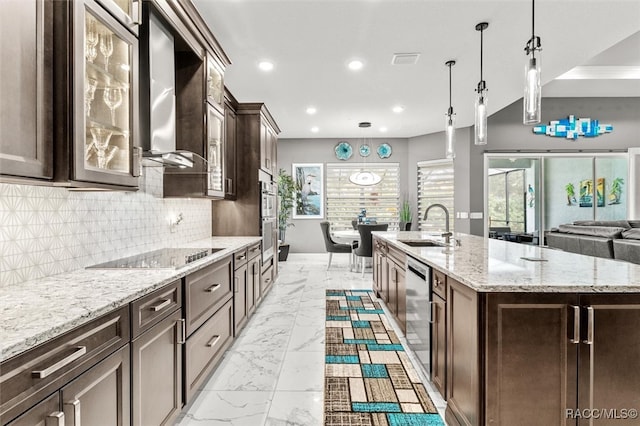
215 85
128 12
105 80
215 154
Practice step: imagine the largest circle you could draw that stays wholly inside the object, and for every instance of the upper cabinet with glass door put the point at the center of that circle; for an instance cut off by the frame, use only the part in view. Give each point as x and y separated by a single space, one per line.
215 82
215 154
106 97
128 12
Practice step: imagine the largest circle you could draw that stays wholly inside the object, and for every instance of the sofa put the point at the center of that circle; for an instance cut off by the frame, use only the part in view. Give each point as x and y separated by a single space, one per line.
612 239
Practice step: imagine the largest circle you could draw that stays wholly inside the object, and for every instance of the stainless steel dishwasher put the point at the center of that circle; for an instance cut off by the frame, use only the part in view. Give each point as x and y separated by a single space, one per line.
418 333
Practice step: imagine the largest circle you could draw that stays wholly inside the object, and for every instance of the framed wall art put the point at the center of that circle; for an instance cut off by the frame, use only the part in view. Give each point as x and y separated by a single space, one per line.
309 203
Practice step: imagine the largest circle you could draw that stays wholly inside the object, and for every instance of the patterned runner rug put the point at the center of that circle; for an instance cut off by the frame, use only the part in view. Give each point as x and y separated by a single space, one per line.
369 379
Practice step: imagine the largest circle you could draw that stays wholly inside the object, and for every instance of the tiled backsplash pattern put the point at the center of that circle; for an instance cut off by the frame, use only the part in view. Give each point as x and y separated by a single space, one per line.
46 231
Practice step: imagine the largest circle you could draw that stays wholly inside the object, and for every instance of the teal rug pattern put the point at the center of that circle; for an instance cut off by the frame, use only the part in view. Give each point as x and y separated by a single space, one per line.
369 379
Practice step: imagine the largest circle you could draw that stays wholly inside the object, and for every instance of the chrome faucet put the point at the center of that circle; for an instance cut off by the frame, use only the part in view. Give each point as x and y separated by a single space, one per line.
447 235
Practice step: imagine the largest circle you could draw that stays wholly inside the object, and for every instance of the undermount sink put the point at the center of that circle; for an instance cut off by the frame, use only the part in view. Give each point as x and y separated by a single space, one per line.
421 243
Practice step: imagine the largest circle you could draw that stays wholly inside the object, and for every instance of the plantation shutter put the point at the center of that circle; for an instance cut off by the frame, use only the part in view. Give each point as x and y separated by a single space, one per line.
435 185
345 199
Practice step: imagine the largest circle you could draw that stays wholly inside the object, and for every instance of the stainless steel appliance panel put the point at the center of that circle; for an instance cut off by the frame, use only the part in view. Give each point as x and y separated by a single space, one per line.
418 332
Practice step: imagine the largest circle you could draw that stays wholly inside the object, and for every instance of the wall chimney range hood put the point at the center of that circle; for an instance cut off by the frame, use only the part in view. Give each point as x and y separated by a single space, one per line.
159 139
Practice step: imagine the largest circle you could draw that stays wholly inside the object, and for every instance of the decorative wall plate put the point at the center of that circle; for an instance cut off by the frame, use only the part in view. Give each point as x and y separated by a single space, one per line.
365 150
384 150
343 151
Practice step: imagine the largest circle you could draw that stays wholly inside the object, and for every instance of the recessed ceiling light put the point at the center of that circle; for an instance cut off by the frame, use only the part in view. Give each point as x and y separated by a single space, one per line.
311 110
265 65
398 109
315 129
355 65
383 129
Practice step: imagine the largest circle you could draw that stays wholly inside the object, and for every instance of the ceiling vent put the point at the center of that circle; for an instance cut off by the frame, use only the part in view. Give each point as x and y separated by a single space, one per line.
405 58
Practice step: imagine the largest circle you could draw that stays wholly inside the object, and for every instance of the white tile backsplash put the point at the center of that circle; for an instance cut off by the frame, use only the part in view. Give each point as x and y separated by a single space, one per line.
46 231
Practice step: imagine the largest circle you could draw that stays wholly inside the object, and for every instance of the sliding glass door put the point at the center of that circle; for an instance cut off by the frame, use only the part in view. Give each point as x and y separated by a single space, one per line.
528 194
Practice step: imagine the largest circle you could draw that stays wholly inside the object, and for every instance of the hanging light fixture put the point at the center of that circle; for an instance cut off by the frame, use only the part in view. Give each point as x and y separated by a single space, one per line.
481 97
364 177
450 120
532 91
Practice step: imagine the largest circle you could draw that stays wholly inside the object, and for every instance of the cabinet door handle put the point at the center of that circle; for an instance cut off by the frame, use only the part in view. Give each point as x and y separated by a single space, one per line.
183 331
55 419
72 412
41 374
160 306
235 284
431 319
590 326
576 324
212 288
229 184
213 341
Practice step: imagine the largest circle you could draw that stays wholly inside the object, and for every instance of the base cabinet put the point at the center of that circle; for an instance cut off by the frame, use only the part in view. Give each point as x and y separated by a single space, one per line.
157 373
101 395
240 298
46 413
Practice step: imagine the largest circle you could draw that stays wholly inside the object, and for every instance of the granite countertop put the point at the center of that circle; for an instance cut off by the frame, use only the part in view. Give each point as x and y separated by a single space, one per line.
35 311
490 265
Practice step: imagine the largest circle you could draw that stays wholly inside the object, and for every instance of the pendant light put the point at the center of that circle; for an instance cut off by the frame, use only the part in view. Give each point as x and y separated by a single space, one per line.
364 177
481 97
450 121
531 103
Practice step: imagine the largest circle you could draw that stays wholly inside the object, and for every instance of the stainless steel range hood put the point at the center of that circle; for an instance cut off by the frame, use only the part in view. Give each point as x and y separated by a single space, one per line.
159 144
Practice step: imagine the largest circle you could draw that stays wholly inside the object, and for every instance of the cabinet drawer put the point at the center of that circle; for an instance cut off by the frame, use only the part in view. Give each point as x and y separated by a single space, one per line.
206 346
240 258
439 284
43 413
152 308
31 376
253 251
205 291
397 256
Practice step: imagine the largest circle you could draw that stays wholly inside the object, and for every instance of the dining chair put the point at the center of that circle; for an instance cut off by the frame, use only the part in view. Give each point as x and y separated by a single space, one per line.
365 247
332 246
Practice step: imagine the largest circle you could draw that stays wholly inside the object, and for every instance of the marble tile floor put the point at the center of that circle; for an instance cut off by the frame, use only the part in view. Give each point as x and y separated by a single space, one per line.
273 374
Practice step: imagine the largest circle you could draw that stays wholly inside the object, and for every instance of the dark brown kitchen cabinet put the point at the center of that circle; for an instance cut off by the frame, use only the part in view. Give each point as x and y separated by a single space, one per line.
439 332
39 372
96 89
381 269
589 359
156 356
397 286
100 395
463 361
206 291
26 85
230 143
45 413
205 347
253 278
240 291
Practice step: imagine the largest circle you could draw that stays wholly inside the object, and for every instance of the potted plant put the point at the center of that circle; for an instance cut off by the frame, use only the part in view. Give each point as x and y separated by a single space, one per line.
405 216
286 197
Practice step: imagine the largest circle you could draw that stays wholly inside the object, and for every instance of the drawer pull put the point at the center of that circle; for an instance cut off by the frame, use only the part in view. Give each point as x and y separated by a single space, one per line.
161 305
212 288
256 248
72 412
54 419
242 257
41 374
213 341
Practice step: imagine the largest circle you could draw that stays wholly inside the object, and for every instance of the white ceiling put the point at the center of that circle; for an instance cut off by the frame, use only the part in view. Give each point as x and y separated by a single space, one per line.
311 41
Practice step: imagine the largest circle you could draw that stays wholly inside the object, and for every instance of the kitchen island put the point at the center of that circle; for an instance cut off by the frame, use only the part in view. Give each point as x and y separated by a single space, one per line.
525 335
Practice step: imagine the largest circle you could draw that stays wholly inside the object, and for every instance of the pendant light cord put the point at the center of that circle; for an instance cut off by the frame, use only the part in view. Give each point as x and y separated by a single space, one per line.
481 49
450 106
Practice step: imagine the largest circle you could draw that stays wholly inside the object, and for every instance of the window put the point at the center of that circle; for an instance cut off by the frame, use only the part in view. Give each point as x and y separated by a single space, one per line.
435 185
507 199
345 199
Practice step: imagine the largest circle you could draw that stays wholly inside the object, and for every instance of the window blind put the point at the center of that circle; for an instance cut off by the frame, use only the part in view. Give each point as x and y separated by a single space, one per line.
345 199
435 185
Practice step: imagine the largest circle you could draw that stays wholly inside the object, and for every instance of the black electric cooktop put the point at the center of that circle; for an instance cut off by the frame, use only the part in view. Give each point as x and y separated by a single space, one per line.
166 258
